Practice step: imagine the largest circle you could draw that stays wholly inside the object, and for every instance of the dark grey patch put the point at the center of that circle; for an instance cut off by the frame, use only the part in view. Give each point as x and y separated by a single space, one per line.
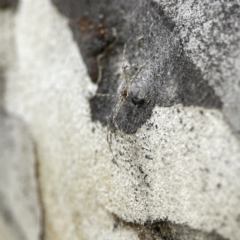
148 157
160 229
4 4
147 32
141 170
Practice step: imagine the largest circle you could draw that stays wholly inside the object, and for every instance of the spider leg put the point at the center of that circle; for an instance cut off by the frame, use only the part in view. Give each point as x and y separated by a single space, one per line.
124 67
140 69
106 95
148 61
113 117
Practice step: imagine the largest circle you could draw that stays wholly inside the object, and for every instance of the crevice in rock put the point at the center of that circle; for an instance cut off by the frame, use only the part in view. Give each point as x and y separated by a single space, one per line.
39 192
164 229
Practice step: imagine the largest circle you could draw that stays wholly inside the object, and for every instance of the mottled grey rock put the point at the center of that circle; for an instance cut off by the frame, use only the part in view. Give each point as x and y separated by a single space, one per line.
171 166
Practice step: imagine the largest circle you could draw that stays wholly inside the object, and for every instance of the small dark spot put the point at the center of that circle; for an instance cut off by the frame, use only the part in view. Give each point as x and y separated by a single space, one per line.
156 126
207 170
157 229
93 130
178 110
138 102
180 120
201 112
140 169
191 129
219 185
148 157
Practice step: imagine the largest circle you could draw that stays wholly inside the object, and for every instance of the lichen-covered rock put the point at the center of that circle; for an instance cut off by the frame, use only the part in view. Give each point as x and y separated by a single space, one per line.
158 160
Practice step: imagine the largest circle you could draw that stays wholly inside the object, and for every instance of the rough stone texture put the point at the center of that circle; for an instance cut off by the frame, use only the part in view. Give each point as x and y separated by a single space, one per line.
20 217
19 204
210 35
177 175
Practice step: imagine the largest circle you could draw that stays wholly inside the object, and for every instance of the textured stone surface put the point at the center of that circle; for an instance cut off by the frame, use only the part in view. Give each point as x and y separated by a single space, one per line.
19 204
20 217
210 35
175 177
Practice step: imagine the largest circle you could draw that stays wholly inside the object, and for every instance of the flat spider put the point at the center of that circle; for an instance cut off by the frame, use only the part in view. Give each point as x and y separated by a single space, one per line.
132 89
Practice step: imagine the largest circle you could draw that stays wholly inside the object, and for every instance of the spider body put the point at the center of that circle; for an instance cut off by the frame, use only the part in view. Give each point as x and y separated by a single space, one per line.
138 92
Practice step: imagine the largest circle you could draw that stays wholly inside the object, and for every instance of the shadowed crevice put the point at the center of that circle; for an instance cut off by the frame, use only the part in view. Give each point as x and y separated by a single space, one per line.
42 235
163 229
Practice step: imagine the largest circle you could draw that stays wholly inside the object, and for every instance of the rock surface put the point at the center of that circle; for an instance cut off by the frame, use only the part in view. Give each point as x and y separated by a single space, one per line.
165 165
20 217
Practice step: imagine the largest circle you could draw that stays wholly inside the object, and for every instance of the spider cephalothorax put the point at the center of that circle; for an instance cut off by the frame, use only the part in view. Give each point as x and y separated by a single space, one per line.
138 92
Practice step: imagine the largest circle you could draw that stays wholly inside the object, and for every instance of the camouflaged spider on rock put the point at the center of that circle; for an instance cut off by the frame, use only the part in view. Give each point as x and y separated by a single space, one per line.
134 99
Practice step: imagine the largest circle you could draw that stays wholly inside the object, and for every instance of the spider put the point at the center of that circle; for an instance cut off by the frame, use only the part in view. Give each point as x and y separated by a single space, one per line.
131 88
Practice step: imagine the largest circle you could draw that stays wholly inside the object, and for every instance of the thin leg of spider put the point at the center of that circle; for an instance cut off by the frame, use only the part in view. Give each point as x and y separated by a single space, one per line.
114 116
109 140
106 95
102 55
140 69
148 61
100 73
115 112
124 67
